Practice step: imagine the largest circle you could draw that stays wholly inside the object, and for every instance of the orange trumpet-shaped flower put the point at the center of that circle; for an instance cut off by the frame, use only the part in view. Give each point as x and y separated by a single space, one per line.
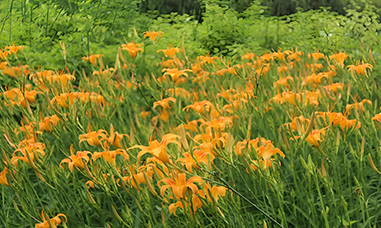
200 156
132 48
3 177
164 103
170 52
158 150
115 137
179 185
152 35
340 58
110 156
54 221
316 56
92 58
175 73
31 149
358 105
360 69
76 159
92 137
200 107
196 204
315 137
48 123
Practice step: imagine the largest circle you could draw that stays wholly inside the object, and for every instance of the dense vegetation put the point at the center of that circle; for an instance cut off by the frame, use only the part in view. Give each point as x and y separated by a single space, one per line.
236 114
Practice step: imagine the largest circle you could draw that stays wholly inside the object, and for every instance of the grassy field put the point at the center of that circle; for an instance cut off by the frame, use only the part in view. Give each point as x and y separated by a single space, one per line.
172 122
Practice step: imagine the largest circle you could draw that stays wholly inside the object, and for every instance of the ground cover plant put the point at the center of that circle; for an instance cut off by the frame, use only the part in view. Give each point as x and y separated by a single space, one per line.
156 132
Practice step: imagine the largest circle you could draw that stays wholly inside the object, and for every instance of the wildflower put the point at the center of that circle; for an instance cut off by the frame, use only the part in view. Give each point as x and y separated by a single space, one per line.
158 150
175 73
358 105
264 156
76 159
316 56
152 35
30 151
339 119
295 56
339 58
14 49
206 59
196 204
136 178
92 58
3 177
200 107
179 184
48 123
132 48
200 156
334 87
164 103
115 137
214 192
360 69
54 221
93 137
145 114
249 56
377 117
283 82
110 156
170 52
315 137
298 123
280 55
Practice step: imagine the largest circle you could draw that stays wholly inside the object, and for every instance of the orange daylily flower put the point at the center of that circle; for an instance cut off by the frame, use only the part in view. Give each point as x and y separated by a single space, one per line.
334 87
200 107
340 58
152 35
283 82
14 49
3 177
200 156
179 184
31 149
93 58
358 105
175 73
170 52
93 137
316 56
158 150
339 119
132 48
206 59
76 159
360 69
54 221
315 137
110 156
164 103
48 123
196 204
115 137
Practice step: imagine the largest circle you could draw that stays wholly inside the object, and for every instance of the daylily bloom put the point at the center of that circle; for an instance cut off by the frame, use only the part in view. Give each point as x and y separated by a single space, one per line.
206 59
158 150
31 149
200 156
93 137
249 56
175 73
152 35
76 160
264 156
170 52
3 177
340 58
315 137
54 221
132 48
334 87
339 119
179 184
200 107
196 204
316 56
283 82
48 123
164 103
115 137
358 105
360 69
110 156
93 58
14 49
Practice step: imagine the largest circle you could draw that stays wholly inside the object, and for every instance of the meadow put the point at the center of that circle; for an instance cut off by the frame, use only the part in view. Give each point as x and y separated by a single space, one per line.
125 119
